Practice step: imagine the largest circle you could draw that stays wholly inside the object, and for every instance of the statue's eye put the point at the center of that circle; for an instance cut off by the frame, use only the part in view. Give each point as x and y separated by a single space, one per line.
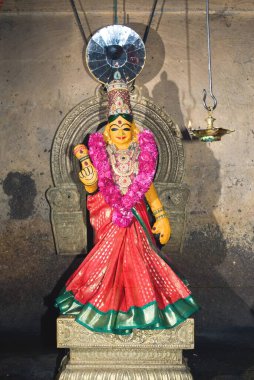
127 129
114 129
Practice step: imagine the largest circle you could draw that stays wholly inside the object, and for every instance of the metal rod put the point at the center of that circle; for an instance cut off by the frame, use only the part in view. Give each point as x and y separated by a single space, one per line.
147 32
209 108
78 21
209 47
115 12
150 22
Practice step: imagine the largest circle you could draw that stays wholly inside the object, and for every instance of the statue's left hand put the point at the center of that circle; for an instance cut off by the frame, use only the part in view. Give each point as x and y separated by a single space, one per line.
162 227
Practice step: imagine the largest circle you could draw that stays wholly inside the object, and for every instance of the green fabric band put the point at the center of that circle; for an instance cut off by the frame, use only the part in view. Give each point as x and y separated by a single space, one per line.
148 317
125 116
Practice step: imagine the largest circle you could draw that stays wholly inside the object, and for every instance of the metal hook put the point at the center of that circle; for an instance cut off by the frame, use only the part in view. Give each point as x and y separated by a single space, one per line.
209 108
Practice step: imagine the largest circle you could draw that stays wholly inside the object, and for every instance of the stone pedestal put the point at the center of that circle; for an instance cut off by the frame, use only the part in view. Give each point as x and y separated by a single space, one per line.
143 355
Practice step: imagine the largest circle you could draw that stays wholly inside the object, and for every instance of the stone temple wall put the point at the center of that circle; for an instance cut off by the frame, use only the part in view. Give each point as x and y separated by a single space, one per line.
43 76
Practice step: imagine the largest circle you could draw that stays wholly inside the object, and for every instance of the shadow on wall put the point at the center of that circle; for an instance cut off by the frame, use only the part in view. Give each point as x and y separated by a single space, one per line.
166 91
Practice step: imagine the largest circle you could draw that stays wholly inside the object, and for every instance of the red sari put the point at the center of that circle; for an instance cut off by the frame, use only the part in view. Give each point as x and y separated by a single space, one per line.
123 284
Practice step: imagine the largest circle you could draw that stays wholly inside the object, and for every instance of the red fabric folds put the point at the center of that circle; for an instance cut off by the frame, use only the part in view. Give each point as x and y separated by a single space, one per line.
122 270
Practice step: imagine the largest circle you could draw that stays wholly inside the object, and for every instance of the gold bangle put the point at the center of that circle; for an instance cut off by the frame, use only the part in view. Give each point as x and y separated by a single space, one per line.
158 211
84 158
162 216
91 184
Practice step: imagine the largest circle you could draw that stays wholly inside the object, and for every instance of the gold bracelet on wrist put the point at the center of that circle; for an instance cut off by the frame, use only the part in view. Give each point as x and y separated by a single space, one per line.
84 158
90 184
158 211
162 216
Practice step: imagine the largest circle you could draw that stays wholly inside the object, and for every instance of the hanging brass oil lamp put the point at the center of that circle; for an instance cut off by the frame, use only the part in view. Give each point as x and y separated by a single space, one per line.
210 133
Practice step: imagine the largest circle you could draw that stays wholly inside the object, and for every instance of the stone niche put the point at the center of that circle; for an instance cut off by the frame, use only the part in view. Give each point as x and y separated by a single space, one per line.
67 197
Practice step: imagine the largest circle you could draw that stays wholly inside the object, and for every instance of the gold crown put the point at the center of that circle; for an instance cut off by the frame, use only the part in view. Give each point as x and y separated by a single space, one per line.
117 85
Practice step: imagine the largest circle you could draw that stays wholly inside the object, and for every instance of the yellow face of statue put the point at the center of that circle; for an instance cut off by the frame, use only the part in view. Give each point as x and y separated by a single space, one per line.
120 133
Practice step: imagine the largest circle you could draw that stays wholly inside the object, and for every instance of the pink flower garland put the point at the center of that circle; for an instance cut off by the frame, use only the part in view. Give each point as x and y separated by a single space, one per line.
122 204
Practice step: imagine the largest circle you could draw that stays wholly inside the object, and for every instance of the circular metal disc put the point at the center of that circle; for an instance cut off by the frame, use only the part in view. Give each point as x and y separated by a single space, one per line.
115 52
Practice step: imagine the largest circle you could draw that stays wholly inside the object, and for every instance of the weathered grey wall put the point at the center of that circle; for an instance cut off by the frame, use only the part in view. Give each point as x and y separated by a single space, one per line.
43 77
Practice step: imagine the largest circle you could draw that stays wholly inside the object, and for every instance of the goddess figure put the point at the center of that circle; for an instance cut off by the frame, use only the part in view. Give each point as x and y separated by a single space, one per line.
123 284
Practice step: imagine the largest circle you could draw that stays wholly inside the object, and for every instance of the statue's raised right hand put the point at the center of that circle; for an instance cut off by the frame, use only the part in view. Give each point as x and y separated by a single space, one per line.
88 175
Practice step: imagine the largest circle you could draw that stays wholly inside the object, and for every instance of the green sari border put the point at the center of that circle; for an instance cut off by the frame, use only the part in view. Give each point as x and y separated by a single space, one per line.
147 317
129 331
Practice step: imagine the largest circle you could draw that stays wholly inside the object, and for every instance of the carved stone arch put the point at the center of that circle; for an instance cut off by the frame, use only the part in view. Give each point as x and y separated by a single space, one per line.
67 211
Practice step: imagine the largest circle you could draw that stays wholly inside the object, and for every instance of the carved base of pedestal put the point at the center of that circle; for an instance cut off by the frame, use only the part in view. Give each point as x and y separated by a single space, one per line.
143 355
129 374
82 373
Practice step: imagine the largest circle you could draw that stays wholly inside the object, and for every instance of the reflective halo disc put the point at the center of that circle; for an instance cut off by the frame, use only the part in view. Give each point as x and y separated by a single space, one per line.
115 50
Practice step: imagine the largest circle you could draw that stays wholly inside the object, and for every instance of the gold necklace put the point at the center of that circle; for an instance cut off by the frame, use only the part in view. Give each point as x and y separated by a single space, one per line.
124 164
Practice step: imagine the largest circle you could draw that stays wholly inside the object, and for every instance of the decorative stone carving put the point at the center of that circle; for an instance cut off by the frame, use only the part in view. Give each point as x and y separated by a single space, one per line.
174 197
67 219
145 354
90 116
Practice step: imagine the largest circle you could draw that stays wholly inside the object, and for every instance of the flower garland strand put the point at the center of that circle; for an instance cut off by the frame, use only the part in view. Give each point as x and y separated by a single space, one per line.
122 204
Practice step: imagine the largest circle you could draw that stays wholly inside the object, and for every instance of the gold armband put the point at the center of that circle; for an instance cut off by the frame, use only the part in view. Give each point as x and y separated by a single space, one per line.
162 216
158 211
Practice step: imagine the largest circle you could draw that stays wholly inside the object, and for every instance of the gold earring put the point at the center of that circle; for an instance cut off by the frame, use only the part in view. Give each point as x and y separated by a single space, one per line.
106 137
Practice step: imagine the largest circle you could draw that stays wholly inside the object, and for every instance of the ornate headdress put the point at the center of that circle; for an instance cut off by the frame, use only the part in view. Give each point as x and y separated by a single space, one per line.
119 100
